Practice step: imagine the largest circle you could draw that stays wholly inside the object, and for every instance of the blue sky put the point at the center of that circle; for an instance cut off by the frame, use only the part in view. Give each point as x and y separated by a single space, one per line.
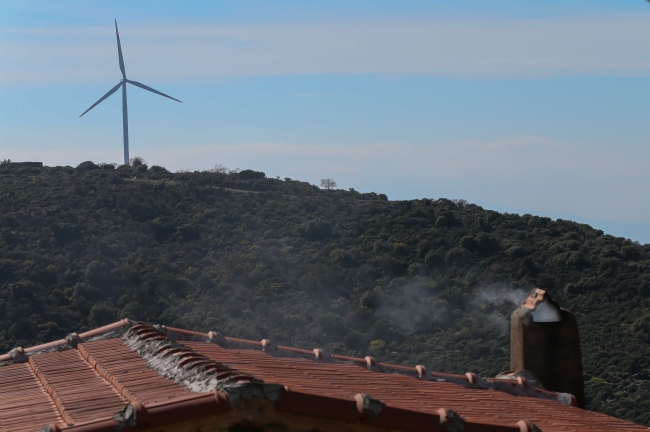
518 106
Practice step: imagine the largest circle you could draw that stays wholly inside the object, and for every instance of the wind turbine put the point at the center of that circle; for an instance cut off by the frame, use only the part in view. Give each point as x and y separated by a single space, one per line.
123 82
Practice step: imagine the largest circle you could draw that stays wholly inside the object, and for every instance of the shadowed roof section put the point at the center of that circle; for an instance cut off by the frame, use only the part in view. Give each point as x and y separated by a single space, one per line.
138 377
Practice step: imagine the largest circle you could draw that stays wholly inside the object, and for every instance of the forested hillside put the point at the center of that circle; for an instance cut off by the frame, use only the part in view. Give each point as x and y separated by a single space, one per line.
428 281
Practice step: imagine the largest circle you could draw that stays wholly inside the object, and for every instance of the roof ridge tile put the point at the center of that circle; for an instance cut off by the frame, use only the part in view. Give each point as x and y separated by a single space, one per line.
110 378
51 393
180 363
69 342
469 380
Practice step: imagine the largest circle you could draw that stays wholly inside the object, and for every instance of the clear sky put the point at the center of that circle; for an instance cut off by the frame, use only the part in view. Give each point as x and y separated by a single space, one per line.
526 107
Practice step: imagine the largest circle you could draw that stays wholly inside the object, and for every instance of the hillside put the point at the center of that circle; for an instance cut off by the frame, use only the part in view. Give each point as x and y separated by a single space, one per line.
428 281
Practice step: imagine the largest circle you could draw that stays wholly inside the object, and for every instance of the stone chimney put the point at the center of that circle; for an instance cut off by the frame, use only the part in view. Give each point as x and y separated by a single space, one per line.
544 339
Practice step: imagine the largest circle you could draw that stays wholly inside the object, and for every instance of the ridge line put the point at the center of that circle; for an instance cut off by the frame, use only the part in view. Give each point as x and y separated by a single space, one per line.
49 390
181 364
107 376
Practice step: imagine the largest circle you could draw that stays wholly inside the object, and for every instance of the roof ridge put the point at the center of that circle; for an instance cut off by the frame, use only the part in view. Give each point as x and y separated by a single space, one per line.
515 386
177 362
20 355
49 390
107 376
201 374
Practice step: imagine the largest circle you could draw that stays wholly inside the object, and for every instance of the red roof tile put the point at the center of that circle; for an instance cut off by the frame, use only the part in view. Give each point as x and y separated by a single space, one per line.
128 372
164 375
80 396
23 402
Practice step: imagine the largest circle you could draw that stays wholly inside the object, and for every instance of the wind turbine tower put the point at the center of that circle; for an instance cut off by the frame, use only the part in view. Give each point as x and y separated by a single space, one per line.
123 82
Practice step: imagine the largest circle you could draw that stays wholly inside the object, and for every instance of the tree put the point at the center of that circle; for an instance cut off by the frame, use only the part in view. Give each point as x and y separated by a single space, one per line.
222 169
137 161
327 183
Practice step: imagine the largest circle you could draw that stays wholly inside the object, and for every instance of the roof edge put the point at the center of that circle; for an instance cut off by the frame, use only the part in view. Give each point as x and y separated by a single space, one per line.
20 355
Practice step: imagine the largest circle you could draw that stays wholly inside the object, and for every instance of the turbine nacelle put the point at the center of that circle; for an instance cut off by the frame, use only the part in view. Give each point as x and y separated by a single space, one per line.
122 83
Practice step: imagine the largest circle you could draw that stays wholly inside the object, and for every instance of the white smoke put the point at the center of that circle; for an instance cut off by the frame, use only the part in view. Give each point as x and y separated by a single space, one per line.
411 308
546 312
499 295
493 304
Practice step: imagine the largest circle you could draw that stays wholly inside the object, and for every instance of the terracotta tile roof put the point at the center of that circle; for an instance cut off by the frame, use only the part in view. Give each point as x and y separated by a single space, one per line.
128 372
23 403
83 395
139 376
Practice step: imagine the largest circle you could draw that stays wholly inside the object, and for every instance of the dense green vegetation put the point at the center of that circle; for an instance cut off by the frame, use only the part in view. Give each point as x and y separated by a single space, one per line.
411 282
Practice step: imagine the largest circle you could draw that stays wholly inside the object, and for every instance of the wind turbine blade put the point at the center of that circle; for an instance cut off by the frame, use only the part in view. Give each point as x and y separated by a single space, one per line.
110 92
119 51
142 86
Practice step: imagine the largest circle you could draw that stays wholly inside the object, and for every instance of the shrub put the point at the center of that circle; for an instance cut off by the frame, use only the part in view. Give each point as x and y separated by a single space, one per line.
86 166
248 174
102 314
24 328
137 161
377 345
354 340
316 229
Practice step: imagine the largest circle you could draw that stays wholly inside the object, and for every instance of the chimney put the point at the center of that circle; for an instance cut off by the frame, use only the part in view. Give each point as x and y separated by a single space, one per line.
544 339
